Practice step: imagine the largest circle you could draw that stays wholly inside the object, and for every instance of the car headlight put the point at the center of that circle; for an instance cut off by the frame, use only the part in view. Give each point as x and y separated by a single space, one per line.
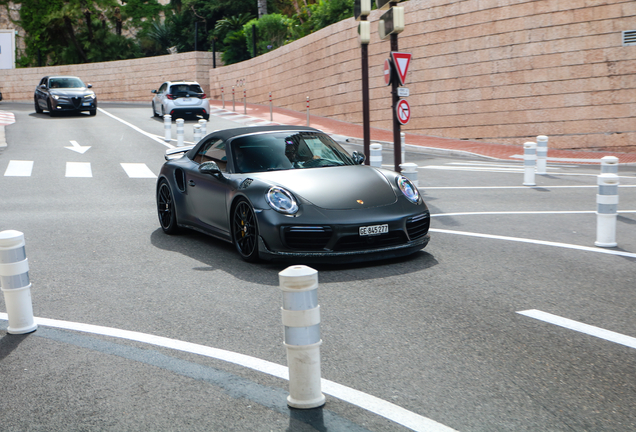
90 96
56 97
281 200
408 189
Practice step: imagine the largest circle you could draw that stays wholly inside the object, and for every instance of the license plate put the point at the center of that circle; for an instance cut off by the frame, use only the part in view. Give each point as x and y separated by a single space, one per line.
374 230
86 104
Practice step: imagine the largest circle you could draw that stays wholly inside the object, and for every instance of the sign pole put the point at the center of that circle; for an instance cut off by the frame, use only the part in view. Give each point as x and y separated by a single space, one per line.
397 139
366 122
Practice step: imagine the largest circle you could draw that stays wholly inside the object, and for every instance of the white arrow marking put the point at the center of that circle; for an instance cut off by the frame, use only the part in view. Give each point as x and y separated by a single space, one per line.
78 148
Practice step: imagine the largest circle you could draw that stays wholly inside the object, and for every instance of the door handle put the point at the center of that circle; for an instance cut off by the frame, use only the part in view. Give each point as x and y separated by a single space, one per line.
192 183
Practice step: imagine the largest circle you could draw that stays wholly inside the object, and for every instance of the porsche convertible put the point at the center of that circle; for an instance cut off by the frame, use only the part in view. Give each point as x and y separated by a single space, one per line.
290 193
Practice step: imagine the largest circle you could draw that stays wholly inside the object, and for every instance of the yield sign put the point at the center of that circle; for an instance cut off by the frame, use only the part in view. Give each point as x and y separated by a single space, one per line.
403 111
401 62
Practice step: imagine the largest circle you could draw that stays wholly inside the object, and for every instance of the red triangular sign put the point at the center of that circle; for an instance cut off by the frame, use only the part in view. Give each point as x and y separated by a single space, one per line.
401 62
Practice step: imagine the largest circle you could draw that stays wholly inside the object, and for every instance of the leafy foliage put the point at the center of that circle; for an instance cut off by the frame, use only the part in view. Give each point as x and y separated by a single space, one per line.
272 31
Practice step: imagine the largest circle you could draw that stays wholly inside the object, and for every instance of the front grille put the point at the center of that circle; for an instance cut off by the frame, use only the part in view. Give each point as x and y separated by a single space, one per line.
308 238
357 242
77 102
417 226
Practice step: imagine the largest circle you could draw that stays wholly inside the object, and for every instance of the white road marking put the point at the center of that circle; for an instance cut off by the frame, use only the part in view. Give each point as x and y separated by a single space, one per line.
149 135
78 148
608 335
523 213
78 169
373 404
19 168
505 170
538 242
138 170
425 188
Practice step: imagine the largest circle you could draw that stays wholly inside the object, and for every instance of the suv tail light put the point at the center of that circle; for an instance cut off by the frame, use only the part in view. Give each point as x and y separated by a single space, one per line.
170 96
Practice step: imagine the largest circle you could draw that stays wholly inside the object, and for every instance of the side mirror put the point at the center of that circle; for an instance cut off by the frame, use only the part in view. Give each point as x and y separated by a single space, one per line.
89 86
209 168
154 91
43 86
358 157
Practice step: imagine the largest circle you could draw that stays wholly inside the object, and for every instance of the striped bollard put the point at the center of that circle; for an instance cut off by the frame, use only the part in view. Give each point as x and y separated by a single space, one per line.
167 127
307 110
222 97
203 124
609 164
271 112
375 158
529 162
180 123
14 280
409 170
606 210
403 146
301 318
542 154
197 133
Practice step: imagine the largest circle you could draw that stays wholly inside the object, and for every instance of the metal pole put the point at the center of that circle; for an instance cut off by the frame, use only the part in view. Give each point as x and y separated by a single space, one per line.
244 101
397 141
222 97
366 123
233 101
271 112
307 110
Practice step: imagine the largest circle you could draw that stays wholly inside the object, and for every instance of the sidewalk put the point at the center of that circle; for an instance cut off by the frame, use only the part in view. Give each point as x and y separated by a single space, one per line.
435 144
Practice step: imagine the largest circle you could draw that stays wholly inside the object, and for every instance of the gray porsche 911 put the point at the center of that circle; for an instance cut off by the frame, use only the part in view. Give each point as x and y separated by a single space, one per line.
290 193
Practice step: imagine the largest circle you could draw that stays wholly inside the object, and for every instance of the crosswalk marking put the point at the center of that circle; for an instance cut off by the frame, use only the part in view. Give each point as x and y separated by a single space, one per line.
19 168
6 118
78 169
138 170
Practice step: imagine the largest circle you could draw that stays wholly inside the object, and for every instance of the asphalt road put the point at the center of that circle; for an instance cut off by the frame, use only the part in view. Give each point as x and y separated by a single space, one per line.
439 334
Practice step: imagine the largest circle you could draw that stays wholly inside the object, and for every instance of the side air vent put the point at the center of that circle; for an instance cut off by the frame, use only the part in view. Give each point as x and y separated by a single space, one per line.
179 178
629 37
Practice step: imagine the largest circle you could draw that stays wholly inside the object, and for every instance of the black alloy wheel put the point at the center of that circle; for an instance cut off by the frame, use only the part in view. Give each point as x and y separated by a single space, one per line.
245 231
37 106
50 109
166 209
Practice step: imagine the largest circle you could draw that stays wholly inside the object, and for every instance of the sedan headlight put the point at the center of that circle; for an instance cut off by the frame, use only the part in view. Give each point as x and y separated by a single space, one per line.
281 200
56 97
90 96
408 189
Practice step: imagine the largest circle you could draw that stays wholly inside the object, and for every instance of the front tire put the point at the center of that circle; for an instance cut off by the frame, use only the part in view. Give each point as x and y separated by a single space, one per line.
245 231
166 209
37 106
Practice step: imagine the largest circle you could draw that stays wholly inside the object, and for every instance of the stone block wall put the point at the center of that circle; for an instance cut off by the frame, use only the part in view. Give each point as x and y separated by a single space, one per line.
499 71
123 80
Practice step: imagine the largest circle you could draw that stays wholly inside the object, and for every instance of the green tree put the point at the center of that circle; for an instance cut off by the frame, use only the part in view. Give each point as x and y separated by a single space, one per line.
272 31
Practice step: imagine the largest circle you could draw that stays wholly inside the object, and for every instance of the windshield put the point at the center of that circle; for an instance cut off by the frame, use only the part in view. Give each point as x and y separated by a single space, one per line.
284 151
66 83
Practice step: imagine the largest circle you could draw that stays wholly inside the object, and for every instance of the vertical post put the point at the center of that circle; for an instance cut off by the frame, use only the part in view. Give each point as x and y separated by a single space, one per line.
222 97
410 171
14 280
542 154
214 59
366 122
609 164
203 124
397 143
529 163
403 144
606 210
167 127
180 132
244 101
301 318
307 110
271 112
375 159
233 101
197 133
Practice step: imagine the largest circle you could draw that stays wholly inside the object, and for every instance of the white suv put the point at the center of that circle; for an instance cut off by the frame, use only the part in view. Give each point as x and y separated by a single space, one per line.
180 99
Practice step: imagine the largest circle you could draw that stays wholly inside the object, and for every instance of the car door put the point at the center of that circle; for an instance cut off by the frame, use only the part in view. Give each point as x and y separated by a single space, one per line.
159 99
41 94
207 194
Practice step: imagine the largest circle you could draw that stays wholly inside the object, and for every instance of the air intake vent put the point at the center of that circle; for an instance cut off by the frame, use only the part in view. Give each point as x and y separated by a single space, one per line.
629 37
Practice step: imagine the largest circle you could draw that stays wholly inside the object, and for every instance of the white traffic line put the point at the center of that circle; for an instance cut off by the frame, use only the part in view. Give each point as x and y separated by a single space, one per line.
149 135
78 169
608 335
506 170
522 213
538 242
368 402
425 188
138 170
19 168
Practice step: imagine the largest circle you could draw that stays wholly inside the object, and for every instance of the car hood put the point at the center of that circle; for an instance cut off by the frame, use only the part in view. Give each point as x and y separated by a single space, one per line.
336 188
71 92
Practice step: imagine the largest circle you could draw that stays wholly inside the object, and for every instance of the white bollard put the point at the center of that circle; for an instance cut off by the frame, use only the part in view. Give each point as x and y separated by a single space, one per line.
375 158
197 133
606 210
14 280
409 170
609 164
203 124
542 154
180 132
167 127
529 162
301 318
307 110
403 146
